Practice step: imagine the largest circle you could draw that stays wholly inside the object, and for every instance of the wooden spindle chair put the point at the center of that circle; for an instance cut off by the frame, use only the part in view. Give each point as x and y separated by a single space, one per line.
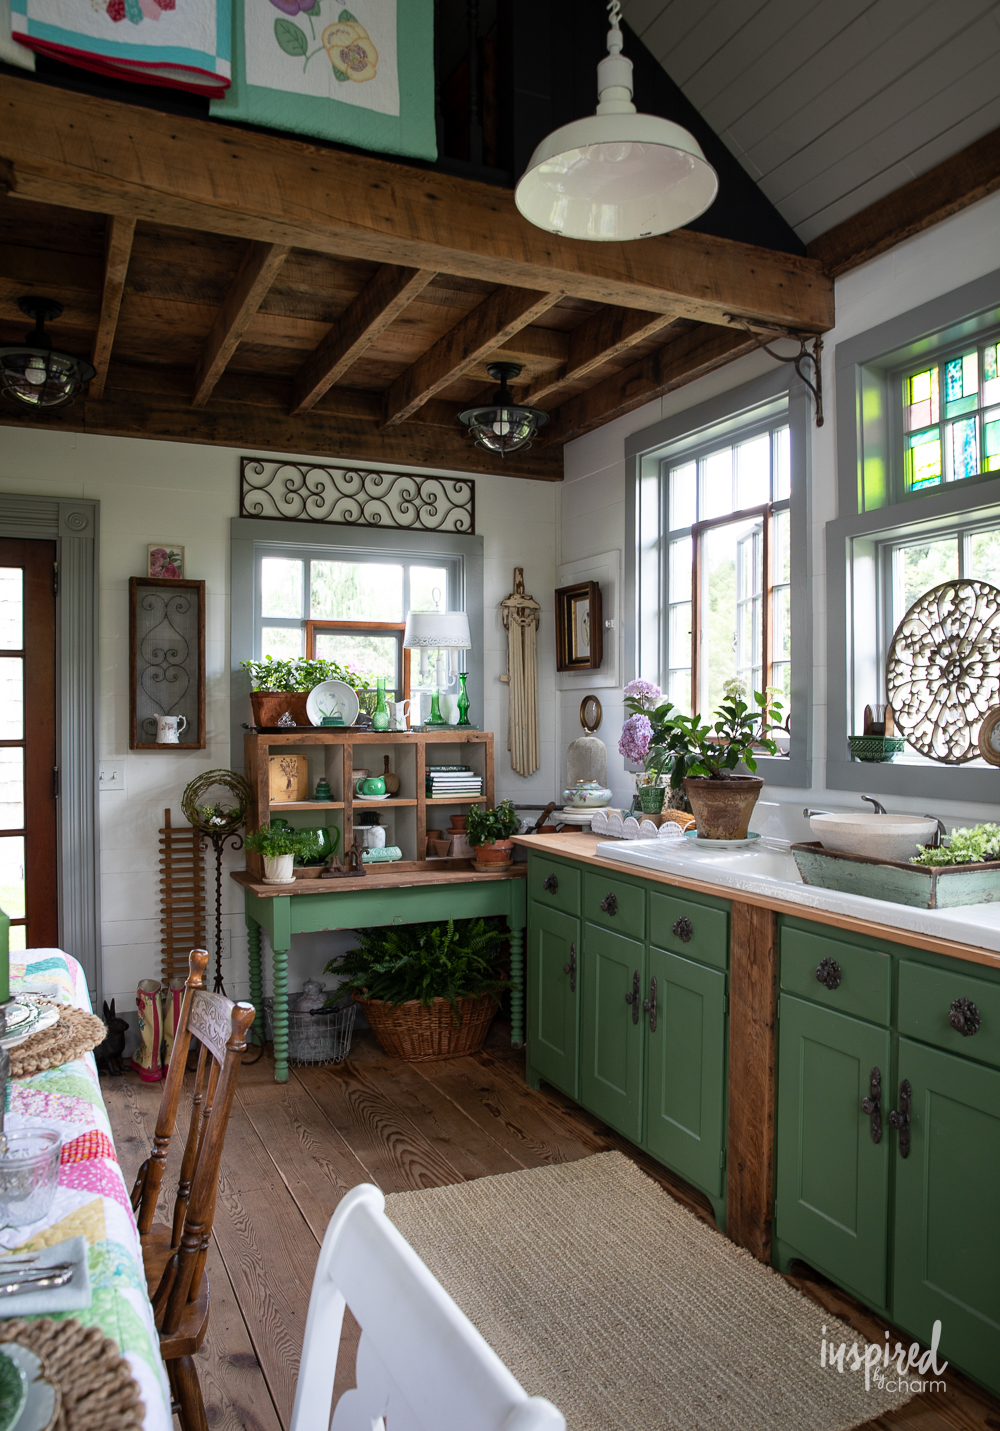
175 1256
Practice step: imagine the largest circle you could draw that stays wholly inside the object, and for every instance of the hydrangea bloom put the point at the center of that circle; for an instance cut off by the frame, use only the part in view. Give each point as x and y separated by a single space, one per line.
635 737
643 691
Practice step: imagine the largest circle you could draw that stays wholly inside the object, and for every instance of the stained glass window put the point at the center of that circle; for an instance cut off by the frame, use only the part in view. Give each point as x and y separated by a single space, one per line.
951 426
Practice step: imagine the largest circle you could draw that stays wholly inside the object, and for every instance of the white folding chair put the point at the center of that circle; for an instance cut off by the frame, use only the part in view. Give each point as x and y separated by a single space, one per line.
421 1363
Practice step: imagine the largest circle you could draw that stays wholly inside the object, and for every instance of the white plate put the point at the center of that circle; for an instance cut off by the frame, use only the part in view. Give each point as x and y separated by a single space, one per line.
364 798
330 697
44 1399
704 844
47 1017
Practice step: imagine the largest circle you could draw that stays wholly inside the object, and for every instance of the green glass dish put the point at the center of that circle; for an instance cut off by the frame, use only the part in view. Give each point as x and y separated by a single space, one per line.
876 749
13 1391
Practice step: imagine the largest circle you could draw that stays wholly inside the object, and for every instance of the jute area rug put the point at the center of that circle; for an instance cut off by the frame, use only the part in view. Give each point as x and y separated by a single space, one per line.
600 1292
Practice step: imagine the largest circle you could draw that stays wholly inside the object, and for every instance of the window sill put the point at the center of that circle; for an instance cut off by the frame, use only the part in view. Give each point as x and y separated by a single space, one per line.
924 779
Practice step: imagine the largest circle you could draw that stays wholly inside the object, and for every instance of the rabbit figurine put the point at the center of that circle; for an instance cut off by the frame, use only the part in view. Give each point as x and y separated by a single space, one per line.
109 1052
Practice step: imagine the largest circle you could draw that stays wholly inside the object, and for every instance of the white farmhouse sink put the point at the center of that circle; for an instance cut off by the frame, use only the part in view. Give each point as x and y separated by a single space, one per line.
767 861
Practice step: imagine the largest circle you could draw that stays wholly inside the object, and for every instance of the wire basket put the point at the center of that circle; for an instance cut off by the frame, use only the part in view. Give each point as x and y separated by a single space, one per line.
323 1037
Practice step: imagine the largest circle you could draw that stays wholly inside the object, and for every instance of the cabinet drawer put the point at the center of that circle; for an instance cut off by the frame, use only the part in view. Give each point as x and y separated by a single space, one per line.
554 885
926 998
615 904
862 977
686 927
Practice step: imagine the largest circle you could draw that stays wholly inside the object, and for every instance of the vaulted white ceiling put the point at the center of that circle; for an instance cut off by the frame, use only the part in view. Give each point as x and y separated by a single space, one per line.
831 104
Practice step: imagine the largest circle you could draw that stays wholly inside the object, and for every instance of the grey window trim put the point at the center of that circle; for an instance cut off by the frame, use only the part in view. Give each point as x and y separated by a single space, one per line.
72 523
853 539
247 535
725 414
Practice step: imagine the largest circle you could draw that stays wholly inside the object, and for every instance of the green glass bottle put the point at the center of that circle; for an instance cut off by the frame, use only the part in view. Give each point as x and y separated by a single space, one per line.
380 715
463 699
435 717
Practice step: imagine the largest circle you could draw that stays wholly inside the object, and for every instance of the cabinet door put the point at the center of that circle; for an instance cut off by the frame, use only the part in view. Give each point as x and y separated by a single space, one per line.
685 1068
832 1179
553 990
946 1256
611 1040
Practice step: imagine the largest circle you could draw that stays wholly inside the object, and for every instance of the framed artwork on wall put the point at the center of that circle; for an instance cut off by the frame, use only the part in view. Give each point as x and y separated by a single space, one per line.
166 643
579 627
165 559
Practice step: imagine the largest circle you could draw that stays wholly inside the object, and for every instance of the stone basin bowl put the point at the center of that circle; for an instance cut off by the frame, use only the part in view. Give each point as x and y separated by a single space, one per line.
881 837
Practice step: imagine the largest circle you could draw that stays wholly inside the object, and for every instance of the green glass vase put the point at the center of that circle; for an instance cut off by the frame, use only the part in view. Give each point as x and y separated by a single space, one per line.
380 715
435 717
463 699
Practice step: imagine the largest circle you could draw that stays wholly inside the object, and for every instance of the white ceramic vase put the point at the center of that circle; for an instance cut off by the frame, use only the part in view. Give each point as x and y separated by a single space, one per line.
278 869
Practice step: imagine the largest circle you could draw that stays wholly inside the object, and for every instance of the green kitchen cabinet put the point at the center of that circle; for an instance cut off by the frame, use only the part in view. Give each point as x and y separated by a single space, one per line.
613 1027
553 998
947 1229
831 1188
686 1067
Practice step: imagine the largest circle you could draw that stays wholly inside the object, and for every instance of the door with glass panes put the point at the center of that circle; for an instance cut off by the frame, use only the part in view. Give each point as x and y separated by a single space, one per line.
28 774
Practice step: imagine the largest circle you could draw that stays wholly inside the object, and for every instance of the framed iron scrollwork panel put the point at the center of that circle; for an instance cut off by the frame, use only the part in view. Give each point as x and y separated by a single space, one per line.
166 664
355 497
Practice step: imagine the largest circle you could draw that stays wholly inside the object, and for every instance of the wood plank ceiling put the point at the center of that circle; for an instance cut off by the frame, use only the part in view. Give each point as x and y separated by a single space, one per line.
258 291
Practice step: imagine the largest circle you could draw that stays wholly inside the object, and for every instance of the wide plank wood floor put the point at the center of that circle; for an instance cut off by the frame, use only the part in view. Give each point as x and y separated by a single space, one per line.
293 1150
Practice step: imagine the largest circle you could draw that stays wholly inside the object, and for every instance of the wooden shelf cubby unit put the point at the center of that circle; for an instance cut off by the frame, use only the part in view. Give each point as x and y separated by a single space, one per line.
335 753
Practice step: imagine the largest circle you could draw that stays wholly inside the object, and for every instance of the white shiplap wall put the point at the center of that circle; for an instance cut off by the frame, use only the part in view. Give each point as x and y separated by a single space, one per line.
831 104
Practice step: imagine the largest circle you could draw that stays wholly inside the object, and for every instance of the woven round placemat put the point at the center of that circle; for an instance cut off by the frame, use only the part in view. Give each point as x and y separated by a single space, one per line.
94 1379
75 1034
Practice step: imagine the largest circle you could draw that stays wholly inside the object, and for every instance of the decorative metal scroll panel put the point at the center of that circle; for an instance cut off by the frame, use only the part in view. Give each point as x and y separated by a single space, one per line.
943 670
167 650
352 497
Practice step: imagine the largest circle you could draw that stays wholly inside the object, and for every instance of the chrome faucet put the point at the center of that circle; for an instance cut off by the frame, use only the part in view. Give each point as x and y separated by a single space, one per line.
877 807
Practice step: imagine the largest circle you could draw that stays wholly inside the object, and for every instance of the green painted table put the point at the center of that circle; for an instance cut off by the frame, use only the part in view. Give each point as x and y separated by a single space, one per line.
310 906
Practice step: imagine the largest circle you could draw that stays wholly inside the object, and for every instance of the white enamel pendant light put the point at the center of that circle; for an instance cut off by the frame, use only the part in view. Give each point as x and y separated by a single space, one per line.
616 174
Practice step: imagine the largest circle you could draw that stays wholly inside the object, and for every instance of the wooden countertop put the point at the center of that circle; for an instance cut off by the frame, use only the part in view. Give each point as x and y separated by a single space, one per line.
582 846
387 881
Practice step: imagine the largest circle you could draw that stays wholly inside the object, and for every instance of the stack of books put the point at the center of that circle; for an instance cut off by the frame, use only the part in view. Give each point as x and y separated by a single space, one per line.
453 781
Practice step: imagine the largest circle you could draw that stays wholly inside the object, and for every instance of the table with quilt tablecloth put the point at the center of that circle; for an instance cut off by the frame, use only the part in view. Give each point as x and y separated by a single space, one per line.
92 1198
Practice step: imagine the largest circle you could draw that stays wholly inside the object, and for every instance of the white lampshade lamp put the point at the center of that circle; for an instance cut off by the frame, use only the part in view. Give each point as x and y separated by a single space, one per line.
617 174
440 631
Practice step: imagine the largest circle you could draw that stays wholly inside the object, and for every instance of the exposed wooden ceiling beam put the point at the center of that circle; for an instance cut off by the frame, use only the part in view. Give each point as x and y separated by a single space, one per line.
252 414
71 149
690 356
486 328
598 339
376 306
117 250
257 272
945 190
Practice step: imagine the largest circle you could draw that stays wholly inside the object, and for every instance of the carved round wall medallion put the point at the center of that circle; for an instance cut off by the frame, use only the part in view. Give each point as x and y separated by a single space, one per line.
943 669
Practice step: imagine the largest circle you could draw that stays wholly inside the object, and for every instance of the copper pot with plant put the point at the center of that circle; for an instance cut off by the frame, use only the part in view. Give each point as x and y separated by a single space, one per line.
489 832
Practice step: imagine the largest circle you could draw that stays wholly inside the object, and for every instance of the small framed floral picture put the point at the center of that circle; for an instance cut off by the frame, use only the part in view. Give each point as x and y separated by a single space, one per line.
165 561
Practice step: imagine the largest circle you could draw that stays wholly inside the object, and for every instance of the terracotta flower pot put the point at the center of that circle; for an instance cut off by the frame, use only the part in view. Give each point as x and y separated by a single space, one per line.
722 808
496 855
270 706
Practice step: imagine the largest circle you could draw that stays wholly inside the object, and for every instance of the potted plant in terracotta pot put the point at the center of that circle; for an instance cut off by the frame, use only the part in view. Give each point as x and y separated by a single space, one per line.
280 688
489 832
427 990
279 844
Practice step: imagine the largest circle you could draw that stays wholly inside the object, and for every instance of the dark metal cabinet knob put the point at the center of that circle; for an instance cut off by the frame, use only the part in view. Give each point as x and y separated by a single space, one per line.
551 883
683 929
650 1005
829 974
900 1118
570 968
633 997
610 904
872 1105
965 1017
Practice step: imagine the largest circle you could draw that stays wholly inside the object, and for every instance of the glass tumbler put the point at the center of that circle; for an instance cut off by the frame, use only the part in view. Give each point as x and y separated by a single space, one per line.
29 1174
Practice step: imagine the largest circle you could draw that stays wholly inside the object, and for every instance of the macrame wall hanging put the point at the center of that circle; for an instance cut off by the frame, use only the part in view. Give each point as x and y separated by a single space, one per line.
520 620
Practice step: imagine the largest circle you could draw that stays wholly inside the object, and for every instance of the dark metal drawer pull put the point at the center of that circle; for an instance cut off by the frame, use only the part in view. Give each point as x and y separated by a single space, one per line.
965 1017
551 883
610 904
633 997
873 1105
683 928
570 968
828 973
901 1120
650 1005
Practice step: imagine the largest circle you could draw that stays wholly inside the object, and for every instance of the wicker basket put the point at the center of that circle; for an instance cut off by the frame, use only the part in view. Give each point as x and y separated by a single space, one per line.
419 1032
323 1037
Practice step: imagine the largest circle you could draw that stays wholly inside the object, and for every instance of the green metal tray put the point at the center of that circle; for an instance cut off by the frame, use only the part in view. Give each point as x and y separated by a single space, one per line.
921 886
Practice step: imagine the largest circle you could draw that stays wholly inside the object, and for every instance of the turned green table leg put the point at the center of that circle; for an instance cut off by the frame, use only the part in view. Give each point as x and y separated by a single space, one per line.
280 1015
256 979
517 988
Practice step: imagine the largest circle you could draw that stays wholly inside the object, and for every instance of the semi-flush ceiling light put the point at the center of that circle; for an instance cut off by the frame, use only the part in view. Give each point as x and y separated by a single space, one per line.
503 426
617 174
33 372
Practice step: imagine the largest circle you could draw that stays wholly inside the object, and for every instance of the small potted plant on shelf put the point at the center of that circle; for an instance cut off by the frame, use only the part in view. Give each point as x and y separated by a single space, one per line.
489 832
279 844
427 990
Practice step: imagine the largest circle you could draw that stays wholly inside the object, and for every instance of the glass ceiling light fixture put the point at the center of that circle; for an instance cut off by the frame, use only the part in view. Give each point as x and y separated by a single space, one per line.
617 174
503 425
33 372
